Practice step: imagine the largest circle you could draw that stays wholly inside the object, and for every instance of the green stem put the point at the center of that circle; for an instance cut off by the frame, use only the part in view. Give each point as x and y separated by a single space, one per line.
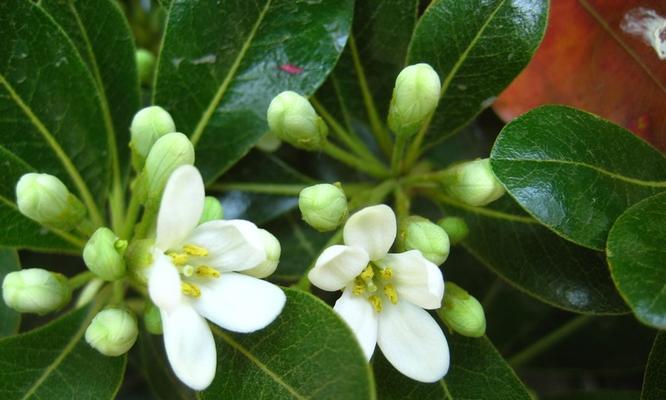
131 217
80 279
548 341
118 292
402 203
86 228
415 149
281 189
343 156
117 206
378 130
398 151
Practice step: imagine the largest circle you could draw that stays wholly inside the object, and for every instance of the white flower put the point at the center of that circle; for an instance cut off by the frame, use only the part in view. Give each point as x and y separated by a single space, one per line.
192 277
385 294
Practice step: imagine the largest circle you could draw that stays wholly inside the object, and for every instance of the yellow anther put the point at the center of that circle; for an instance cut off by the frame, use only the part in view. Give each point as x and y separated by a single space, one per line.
390 292
178 258
376 303
386 273
189 289
205 271
367 273
187 270
359 287
194 250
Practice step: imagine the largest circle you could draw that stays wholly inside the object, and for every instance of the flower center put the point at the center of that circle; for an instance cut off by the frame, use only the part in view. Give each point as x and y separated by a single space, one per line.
375 284
181 260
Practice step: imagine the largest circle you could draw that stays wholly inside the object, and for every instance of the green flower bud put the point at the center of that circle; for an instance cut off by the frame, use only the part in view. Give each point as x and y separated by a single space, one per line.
35 290
212 210
112 332
152 319
168 153
148 125
45 199
103 254
455 227
268 143
273 251
430 239
292 119
472 182
461 312
145 63
415 96
324 206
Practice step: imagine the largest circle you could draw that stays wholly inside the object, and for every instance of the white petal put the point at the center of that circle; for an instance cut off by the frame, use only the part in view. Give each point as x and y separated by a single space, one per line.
164 282
233 245
415 278
373 229
240 303
189 346
181 207
361 318
337 266
412 342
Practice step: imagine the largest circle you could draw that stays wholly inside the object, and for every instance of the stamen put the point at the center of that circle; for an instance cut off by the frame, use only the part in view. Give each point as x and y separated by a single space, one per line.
367 273
386 273
391 293
178 258
190 289
376 303
205 271
359 287
194 250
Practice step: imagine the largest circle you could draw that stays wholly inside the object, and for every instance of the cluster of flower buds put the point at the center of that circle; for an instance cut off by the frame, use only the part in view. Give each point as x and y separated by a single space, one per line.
472 182
323 206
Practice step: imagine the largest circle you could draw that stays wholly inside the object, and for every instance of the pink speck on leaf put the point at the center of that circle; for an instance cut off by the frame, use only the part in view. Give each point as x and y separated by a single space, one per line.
291 69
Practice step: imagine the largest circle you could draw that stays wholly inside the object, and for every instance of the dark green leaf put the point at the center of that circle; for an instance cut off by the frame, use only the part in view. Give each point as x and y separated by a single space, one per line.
9 319
223 61
55 362
536 260
598 395
477 371
477 47
100 32
637 256
575 172
164 384
307 352
654 382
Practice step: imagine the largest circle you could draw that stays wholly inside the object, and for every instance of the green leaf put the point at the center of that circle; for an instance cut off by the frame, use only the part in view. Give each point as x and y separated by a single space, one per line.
637 256
9 319
307 352
161 379
55 362
222 62
536 260
654 382
477 371
598 395
100 32
477 48
575 172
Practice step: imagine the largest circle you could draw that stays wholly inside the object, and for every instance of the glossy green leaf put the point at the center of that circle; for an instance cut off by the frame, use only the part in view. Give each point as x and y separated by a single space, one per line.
536 260
477 371
637 259
654 382
477 48
307 352
575 172
9 319
55 362
222 62
100 32
161 379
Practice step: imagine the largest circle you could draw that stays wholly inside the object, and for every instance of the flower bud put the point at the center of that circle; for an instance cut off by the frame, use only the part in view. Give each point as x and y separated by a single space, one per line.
292 119
212 210
103 254
461 312
415 96
472 182
45 199
427 237
35 290
148 125
145 63
324 206
273 251
168 153
455 227
112 332
152 319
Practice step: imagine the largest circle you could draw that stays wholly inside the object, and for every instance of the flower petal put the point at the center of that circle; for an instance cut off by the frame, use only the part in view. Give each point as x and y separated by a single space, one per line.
233 245
337 266
164 282
373 229
416 279
189 346
240 303
361 318
181 207
412 342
